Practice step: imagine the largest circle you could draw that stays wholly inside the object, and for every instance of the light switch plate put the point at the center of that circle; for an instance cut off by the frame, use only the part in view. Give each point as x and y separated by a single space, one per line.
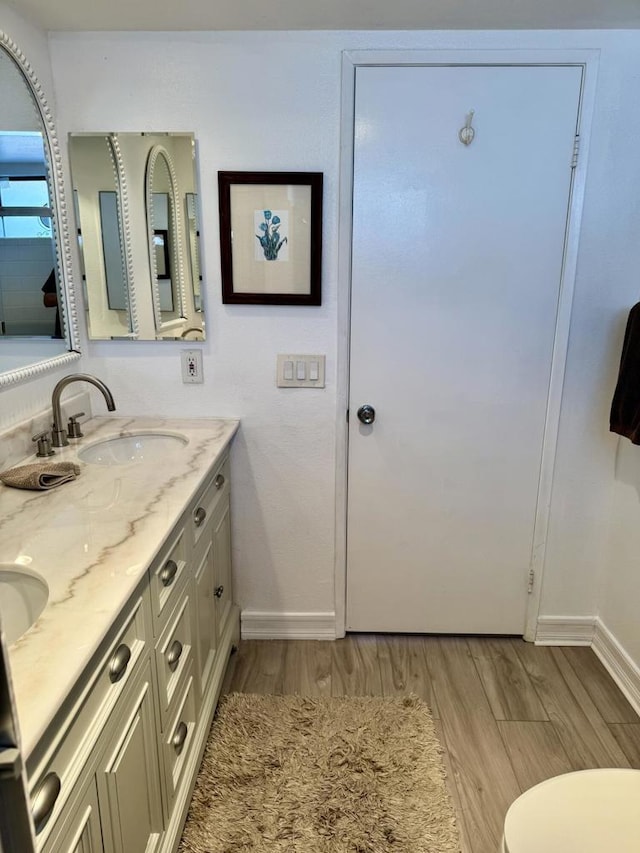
292 366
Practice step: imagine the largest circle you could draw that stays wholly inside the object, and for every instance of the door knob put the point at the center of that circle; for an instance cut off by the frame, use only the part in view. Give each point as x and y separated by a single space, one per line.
366 414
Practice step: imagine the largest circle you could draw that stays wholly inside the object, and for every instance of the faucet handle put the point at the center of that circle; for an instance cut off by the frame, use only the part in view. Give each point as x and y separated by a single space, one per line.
44 444
73 427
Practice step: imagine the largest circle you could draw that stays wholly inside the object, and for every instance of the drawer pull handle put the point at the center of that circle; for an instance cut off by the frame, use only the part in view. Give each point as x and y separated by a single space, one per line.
219 481
218 591
119 663
173 655
199 516
44 800
179 737
169 572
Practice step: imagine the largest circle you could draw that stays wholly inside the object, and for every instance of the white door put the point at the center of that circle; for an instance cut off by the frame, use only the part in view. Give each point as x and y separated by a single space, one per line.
456 269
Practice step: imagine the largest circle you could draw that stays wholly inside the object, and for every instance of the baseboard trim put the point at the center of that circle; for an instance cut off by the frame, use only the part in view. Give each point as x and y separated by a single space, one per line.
267 625
620 666
565 630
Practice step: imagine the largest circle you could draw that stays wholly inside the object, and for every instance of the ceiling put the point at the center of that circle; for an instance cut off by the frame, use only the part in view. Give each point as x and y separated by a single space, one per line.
186 15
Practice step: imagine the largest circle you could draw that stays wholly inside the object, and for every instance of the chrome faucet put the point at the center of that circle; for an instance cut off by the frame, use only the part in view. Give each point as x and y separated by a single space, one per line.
58 432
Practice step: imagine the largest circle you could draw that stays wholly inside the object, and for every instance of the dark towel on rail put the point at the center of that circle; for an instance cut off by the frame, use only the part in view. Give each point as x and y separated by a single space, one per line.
625 408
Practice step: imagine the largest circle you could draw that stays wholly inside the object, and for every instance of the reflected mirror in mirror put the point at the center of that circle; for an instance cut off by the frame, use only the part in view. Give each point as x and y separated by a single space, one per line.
193 230
112 250
136 200
32 301
98 205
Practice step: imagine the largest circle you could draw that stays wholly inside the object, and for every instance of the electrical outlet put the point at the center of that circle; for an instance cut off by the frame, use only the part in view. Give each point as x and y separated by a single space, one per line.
192 366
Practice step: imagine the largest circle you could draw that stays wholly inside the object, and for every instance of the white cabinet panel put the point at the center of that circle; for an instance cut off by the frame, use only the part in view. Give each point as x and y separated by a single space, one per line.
205 614
128 778
222 565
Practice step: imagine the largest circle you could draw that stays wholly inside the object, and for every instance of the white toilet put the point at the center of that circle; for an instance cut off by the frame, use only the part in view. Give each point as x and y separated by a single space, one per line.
591 811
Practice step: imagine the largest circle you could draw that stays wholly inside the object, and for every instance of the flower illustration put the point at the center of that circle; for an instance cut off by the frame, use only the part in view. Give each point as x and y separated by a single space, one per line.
270 239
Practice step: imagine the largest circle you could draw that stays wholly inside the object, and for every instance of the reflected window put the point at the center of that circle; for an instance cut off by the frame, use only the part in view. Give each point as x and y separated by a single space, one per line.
24 207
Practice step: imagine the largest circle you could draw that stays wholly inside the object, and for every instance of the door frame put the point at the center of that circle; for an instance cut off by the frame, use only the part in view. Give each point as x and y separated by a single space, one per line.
588 60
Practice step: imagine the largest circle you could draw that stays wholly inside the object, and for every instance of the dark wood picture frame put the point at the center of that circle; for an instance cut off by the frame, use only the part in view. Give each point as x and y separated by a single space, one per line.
256 283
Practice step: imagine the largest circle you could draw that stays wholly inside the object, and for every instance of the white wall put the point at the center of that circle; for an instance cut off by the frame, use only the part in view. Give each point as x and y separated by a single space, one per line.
271 101
284 456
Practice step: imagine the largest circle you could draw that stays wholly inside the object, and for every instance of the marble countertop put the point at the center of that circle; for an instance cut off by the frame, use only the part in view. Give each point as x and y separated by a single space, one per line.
93 540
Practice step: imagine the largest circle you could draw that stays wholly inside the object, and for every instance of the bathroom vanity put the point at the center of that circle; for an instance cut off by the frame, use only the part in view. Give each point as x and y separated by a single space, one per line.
118 679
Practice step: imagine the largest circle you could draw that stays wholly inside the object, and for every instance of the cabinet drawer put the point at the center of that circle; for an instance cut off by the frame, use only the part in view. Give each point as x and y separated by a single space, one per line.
166 580
209 499
76 735
174 653
177 738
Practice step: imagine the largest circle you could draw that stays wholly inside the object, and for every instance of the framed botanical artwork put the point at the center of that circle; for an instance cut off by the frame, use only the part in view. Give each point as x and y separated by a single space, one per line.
271 237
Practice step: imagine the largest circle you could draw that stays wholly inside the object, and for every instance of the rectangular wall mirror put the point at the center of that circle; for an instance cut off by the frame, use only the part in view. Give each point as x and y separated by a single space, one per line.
136 207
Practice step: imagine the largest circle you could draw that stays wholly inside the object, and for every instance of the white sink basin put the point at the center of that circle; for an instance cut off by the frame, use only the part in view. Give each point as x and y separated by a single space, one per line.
23 595
132 447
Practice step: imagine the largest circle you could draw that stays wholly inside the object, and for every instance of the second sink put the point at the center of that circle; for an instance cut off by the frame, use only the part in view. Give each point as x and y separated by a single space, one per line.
132 447
23 596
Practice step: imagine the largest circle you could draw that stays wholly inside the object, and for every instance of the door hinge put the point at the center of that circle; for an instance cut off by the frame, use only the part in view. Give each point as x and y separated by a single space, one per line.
347 415
576 149
532 575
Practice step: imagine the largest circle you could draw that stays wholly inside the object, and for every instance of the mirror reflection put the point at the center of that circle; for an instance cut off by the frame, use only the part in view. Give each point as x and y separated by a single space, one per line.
31 315
136 209
164 235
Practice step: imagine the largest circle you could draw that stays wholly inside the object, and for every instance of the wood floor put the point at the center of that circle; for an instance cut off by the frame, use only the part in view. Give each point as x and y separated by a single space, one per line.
509 714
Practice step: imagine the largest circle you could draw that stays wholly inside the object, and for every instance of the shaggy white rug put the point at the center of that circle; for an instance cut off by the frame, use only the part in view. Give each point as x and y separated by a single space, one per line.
287 774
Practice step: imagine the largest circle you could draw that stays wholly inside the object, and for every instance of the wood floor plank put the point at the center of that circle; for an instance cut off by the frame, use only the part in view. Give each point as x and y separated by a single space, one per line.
355 669
628 736
506 683
481 767
582 731
465 844
535 751
403 668
307 668
605 694
260 667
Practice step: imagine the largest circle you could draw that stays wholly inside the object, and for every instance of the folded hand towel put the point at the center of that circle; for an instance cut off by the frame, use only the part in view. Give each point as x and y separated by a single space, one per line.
40 476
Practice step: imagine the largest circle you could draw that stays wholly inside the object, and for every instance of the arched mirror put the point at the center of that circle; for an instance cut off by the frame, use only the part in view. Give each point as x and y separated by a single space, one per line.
166 259
37 309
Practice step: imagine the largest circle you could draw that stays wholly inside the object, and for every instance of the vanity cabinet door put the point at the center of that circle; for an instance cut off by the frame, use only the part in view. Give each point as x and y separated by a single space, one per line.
78 829
129 775
222 565
205 613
